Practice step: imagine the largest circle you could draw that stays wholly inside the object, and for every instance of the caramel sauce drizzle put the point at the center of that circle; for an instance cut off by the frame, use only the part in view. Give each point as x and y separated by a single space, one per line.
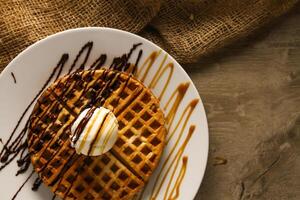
178 95
88 130
150 60
172 105
99 133
107 137
179 180
161 178
187 112
162 69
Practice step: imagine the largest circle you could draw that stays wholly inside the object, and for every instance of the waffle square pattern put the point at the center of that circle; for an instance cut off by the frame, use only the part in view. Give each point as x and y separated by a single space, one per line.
121 172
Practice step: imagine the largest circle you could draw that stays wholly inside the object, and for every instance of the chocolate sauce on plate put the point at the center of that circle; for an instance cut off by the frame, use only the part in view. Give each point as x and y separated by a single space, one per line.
16 145
13 76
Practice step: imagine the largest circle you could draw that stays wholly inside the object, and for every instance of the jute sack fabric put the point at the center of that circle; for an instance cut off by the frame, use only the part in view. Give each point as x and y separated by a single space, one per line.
187 29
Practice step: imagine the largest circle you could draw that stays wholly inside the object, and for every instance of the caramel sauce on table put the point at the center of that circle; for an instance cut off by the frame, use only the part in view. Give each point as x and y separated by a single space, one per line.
17 146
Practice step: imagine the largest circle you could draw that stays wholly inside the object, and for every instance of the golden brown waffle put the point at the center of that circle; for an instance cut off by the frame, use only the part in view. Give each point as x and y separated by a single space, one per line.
121 172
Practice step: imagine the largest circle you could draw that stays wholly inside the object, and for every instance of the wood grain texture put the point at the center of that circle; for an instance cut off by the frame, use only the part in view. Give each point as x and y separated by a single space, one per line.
251 93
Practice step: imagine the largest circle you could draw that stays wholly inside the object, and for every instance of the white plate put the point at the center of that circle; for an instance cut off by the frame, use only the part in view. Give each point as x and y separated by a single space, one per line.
32 68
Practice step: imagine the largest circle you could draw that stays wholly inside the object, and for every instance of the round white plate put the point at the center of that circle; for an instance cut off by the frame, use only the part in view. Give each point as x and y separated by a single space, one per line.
179 173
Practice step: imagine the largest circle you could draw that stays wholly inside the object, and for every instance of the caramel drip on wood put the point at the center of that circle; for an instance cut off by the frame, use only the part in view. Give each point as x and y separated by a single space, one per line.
173 163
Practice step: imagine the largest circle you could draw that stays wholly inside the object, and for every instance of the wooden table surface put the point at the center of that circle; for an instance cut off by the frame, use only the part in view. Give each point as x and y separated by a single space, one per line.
251 93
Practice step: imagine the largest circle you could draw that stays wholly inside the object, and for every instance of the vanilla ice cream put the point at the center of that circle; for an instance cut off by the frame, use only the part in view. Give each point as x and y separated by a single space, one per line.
99 131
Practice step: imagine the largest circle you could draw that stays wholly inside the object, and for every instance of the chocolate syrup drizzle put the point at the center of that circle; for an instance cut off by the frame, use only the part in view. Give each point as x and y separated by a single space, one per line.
13 75
13 147
82 124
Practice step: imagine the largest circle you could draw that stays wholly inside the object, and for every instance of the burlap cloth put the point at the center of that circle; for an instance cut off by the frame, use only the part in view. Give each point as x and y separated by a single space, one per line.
252 109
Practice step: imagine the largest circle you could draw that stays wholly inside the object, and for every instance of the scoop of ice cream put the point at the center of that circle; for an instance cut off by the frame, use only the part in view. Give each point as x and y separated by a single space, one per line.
94 132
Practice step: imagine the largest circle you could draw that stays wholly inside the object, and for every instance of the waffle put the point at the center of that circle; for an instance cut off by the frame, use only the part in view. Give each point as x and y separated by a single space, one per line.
118 174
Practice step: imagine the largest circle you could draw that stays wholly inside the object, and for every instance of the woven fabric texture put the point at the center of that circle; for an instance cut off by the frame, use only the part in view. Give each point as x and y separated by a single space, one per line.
186 29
